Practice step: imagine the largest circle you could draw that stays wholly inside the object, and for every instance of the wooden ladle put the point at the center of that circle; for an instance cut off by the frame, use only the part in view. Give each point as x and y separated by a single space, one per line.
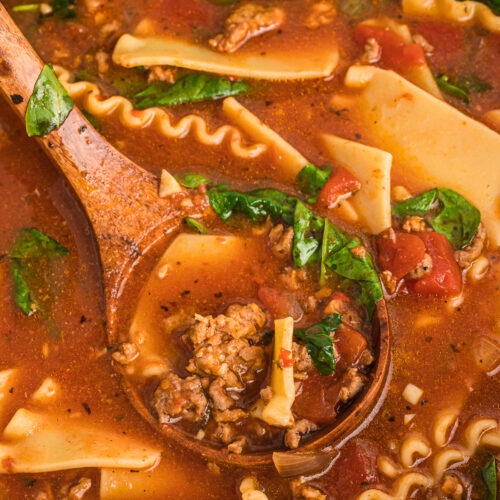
128 218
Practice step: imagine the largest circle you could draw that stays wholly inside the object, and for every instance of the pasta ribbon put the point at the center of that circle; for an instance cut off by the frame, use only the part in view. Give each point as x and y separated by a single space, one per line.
93 102
468 12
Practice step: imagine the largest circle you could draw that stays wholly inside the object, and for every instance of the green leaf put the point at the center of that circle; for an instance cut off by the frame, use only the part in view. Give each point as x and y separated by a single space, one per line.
190 88
358 269
305 245
311 180
49 105
333 241
354 8
463 87
419 205
256 205
192 180
27 7
32 244
63 9
194 224
22 292
489 475
319 342
458 220
448 213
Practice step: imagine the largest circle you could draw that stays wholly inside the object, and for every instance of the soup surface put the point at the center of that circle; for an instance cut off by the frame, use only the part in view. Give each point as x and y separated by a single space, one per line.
342 158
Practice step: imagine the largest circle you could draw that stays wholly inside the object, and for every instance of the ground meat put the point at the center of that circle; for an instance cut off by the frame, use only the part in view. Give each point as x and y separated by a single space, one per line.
237 446
389 281
452 487
414 224
176 397
473 250
372 52
247 21
161 74
225 433
351 314
298 429
266 394
281 240
220 400
76 491
423 269
293 278
366 358
102 60
302 491
352 383
321 13
303 362
126 353
230 415
310 304
176 321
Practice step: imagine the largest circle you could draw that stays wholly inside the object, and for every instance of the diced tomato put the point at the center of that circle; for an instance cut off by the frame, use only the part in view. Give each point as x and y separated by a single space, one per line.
349 344
286 358
317 399
339 184
445 277
395 53
400 254
280 304
340 296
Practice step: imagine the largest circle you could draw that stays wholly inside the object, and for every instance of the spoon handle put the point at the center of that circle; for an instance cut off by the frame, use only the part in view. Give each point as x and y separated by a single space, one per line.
119 197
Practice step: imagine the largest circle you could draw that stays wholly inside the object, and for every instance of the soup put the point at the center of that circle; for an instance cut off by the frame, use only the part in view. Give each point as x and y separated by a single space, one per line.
323 323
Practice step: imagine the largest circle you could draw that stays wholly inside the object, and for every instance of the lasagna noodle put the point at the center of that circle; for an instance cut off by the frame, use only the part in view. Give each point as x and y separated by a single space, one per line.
467 12
434 141
133 51
92 101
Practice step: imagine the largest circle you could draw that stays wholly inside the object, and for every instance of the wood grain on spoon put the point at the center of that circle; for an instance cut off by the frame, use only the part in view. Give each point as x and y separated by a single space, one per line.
120 198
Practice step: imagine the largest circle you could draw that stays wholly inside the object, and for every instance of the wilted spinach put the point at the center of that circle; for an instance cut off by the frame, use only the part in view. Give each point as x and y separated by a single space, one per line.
311 180
192 181
489 475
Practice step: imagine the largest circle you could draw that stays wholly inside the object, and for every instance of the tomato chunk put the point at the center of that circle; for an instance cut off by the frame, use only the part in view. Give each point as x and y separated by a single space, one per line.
395 53
339 184
317 400
350 344
400 254
445 277
286 358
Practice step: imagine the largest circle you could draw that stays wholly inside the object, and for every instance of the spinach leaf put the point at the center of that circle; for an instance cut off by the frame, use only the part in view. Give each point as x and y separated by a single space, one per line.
354 8
461 88
256 204
446 211
190 88
319 342
63 9
29 255
333 241
305 248
358 268
311 180
192 180
194 224
49 105
489 474
419 205
22 292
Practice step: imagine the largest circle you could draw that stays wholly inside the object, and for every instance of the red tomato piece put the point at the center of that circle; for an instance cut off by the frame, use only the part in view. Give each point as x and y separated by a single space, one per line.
400 254
280 304
340 183
395 53
340 296
445 277
317 399
443 36
286 358
350 344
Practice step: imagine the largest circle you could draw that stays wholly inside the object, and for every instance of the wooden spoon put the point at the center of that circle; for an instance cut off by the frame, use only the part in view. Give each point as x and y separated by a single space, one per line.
128 218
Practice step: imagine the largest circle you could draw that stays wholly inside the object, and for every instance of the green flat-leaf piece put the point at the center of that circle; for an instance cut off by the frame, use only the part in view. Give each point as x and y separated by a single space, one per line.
33 244
194 224
318 340
22 292
48 106
489 475
333 241
311 179
190 88
461 88
305 243
419 205
192 181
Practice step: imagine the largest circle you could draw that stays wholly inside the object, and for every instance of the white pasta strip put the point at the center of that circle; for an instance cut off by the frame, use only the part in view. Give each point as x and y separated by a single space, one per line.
467 12
133 51
37 442
372 167
92 102
410 123
419 75
47 391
